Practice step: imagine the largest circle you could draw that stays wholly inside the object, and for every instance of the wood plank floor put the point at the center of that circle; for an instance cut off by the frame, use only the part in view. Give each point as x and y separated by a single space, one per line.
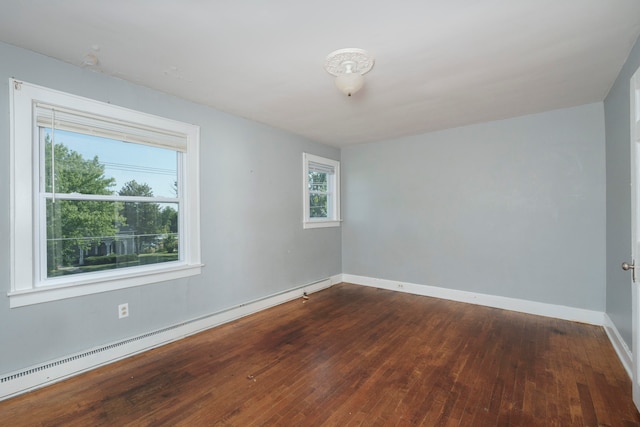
355 356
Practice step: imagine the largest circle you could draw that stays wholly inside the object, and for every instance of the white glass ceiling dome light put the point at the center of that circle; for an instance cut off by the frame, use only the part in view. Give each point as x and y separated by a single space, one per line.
348 65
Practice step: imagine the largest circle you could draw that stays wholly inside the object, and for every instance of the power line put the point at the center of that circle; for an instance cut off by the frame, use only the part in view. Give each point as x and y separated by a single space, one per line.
136 168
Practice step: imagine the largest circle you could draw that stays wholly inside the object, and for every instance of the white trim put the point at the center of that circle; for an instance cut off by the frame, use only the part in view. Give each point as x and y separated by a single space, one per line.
524 306
28 379
321 224
91 285
634 120
28 284
621 348
530 307
506 303
35 377
334 216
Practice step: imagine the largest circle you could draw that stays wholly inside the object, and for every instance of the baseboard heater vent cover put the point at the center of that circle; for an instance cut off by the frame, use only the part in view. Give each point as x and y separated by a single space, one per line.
34 377
88 353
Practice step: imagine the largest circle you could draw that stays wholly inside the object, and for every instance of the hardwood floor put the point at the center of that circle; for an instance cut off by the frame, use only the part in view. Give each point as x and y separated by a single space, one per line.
355 356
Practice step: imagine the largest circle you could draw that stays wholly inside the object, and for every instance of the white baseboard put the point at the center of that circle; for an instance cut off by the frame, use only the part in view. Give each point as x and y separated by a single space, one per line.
621 348
523 306
53 371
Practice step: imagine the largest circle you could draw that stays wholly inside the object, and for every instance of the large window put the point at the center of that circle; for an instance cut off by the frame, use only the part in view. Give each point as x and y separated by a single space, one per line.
102 197
321 192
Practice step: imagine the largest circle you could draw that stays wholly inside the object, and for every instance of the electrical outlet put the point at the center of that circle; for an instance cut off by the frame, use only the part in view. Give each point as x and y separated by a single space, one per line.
123 310
400 286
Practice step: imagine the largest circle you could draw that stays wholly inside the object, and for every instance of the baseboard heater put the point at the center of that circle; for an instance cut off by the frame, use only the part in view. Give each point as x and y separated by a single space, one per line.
88 353
44 374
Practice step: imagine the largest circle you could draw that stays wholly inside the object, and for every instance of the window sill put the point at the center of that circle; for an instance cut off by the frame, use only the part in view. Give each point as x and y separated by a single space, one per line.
321 224
55 293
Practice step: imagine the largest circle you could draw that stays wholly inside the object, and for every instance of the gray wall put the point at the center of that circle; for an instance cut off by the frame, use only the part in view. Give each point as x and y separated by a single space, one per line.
253 244
514 208
618 137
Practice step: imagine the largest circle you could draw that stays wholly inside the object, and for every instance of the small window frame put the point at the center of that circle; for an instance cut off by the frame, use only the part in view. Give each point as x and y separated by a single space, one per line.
333 218
27 287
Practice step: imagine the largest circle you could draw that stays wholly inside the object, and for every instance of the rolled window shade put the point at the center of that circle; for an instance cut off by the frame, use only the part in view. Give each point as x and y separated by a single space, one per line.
106 127
321 168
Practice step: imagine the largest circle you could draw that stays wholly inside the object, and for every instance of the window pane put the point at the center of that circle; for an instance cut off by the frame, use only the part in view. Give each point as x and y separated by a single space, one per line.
318 206
317 181
86 236
88 164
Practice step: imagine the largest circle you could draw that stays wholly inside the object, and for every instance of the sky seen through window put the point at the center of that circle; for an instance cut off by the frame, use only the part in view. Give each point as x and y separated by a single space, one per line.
125 161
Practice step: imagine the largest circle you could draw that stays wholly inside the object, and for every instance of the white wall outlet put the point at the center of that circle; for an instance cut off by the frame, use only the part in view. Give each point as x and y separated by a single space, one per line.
123 310
400 286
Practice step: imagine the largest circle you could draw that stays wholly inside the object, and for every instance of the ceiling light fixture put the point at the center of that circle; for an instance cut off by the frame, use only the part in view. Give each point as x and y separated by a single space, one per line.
348 65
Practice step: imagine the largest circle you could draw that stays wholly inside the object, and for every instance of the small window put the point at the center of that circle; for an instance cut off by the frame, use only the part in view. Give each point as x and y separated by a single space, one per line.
114 197
321 192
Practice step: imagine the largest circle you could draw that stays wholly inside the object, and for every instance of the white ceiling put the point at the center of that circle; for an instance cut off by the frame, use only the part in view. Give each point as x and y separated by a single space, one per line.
439 63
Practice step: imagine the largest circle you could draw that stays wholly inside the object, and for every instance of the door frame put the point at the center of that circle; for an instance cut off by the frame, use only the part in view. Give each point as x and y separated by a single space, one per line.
634 91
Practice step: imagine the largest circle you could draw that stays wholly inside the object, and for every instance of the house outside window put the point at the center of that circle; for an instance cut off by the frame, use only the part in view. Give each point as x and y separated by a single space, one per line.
321 192
102 197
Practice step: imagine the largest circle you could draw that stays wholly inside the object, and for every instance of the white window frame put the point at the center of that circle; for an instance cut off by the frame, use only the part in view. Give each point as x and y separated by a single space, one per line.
333 216
26 285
